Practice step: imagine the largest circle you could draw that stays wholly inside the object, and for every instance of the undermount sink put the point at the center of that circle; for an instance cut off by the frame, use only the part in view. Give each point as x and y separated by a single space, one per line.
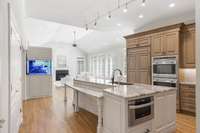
122 83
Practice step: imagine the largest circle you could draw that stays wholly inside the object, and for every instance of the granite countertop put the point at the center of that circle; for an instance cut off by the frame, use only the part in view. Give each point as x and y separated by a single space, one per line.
187 83
136 90
95 80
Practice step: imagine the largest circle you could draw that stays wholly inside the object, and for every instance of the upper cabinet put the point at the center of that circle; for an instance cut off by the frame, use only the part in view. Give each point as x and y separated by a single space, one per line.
140 41
165 43
188 47
157 47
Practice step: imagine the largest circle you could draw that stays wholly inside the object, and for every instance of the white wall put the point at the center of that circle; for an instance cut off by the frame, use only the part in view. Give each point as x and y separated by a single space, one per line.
4 79
198 64
71 53
4 55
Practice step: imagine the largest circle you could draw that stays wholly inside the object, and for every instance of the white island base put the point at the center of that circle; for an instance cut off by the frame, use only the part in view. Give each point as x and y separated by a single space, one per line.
115 111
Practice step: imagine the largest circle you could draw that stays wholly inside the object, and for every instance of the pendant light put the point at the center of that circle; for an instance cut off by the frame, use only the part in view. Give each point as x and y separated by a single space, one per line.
74 42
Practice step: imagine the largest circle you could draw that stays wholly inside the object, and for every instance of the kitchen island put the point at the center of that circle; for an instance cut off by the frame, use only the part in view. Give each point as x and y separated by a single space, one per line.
139 108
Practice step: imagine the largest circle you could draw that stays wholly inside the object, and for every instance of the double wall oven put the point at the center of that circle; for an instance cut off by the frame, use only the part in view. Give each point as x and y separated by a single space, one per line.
165 71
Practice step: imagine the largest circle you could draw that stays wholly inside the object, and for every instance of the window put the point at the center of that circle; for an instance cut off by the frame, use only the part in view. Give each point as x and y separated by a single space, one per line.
81 65
101 66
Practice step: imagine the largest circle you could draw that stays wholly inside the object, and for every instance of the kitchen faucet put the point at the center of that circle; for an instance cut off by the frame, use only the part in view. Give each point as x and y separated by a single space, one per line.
113 76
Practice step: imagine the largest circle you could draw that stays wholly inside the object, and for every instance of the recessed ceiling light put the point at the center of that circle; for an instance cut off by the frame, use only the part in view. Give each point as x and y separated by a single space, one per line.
118 24
125 10
141 16
143 4
172 5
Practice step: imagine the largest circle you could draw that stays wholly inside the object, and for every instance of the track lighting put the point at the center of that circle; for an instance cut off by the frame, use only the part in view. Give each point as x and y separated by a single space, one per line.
108 14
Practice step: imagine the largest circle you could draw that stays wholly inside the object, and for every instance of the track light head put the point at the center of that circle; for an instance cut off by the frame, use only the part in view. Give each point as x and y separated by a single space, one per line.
109 15
143 2
126 8
86 27
95 23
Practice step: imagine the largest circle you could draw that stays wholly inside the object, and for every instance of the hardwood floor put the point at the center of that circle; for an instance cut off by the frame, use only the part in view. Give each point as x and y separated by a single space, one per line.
52 115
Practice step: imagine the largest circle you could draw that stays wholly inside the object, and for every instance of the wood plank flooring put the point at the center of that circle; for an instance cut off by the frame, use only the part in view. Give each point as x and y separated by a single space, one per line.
52 115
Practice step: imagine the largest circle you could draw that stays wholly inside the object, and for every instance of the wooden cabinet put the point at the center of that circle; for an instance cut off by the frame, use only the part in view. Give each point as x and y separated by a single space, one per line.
188 47
139 65
138 42
157 45
171 42
165 43
187 98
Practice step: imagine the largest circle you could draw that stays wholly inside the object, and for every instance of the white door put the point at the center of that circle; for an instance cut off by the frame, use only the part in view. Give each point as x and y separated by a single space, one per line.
15 78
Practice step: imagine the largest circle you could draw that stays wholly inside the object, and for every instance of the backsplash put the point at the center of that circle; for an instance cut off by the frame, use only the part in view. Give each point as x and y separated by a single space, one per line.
187 75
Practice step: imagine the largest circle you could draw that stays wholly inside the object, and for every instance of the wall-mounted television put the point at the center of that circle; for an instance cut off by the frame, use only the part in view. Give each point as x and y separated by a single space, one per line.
38 67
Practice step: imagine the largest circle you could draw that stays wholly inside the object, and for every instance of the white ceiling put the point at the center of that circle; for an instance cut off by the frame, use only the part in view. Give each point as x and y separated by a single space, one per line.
78 12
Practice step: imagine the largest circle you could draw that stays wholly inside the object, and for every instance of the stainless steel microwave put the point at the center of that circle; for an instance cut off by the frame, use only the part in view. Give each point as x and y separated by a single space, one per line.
165 67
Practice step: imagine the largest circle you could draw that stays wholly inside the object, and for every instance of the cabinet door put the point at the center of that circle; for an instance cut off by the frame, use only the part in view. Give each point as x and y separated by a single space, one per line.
143 76
132 76
143 66
143 61
157 45
165 112
132 42
187 94
160 118
171 43
131 61
189 49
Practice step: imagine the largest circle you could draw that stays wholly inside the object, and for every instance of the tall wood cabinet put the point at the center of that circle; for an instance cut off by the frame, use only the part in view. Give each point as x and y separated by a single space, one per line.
138 60
188 47
139 65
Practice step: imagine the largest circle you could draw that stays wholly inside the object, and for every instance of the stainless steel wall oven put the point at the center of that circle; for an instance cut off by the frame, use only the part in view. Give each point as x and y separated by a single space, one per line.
140 110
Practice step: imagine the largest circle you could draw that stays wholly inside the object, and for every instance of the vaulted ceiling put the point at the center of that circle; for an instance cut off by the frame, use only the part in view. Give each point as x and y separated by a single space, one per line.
70 15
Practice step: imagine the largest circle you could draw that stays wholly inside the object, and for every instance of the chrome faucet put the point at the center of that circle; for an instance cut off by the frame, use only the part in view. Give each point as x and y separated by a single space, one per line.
113 76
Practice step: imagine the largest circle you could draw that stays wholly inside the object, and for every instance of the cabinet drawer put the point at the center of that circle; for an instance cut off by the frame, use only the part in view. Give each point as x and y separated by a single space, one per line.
138 42
132 42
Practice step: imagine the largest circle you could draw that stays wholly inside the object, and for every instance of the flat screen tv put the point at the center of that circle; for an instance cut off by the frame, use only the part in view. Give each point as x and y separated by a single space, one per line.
38 67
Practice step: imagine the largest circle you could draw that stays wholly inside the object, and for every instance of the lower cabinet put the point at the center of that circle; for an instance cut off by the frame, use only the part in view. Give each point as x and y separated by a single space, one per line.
165 112
187 98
